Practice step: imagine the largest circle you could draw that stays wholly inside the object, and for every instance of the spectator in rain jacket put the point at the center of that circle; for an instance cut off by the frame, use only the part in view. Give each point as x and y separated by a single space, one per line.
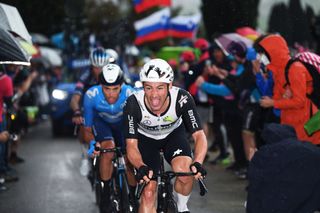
284 175
296 108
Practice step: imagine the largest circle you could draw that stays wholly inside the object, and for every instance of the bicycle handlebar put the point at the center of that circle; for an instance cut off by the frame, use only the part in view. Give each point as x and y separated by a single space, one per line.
170 175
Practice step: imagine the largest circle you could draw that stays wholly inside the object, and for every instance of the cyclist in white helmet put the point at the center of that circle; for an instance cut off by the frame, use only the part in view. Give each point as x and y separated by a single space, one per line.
157 117
113 55
98 58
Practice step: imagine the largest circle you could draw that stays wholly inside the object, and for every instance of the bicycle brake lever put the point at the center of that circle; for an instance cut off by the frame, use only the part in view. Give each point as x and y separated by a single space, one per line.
139 189
203 187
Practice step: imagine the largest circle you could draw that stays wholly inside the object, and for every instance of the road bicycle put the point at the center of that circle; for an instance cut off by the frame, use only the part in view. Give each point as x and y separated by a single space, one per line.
165 198
121 199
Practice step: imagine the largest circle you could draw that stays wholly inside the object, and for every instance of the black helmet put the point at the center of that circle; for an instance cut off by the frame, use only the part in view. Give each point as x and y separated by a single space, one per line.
111 75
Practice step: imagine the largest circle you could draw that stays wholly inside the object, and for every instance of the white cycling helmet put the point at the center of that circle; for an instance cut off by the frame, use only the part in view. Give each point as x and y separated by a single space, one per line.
113 55
111 75
99 57
156 70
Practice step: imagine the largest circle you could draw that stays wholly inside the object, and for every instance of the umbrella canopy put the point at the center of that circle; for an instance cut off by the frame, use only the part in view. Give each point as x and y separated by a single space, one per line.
225 40
39 38
248 32
10 50
11 20
29 48
52 55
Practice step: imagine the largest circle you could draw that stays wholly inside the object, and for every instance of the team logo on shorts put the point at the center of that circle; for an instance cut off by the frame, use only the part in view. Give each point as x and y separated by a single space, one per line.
177 152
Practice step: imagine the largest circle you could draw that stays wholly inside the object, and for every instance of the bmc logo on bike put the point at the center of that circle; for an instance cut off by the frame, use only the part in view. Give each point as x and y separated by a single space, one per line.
192 119
131 125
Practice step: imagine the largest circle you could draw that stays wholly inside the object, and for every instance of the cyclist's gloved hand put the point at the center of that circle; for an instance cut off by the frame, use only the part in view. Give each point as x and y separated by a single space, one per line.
198 169
91 147
143 171
77 117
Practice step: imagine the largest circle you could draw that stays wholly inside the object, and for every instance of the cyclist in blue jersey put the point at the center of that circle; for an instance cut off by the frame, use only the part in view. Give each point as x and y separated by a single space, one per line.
103 122
98 58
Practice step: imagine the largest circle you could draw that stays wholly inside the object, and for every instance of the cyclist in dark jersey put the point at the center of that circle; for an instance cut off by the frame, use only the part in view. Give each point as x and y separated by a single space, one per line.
98 58
157 118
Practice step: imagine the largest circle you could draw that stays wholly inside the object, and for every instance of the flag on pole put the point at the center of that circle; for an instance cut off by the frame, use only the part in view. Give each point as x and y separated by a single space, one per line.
153 27
184 26
142 5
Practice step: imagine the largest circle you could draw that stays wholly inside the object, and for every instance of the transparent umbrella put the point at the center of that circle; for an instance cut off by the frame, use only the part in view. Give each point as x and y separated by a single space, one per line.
225 40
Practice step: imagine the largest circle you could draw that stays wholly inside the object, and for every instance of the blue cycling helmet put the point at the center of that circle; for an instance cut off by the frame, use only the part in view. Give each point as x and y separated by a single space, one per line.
99 57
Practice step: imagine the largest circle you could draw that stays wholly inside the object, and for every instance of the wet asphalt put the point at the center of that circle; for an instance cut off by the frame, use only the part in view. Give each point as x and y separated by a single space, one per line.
50 182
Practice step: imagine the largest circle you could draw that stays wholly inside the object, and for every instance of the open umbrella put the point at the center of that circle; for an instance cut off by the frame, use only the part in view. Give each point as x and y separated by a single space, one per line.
225 40
11 51
248 32
52 55
11 20
38 38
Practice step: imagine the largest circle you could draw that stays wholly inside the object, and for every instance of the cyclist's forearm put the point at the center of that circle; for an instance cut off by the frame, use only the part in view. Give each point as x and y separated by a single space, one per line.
88 135
200 146
133 153
74 103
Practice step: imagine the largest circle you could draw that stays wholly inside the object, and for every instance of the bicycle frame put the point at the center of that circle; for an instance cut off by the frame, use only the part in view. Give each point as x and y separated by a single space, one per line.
120 193
165 200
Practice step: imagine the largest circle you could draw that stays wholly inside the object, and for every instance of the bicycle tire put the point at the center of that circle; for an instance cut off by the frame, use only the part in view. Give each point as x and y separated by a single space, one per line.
126 206
171 206
115 195
97 190
161 206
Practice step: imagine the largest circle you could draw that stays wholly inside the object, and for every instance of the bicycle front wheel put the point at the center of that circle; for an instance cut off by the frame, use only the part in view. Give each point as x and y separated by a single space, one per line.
126 207
171 206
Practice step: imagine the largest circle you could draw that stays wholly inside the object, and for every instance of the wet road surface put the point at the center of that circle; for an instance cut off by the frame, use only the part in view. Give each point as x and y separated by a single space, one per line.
50 181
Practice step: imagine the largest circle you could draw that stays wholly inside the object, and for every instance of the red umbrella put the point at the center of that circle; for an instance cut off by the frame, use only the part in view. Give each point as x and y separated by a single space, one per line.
248 32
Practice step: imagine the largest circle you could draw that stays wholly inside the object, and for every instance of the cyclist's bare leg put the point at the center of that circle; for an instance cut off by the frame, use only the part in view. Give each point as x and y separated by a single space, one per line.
148 198
183 184
105 160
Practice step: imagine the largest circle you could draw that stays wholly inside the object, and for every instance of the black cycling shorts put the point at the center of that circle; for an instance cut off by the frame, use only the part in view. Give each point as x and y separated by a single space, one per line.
175 144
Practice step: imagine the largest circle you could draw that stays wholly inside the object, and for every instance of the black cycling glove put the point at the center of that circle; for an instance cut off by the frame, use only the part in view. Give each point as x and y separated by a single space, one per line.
141 172
199 168
77 113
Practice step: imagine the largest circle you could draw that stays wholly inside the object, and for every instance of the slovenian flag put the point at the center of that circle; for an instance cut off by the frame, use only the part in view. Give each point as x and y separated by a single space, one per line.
142 5
153 27
184 26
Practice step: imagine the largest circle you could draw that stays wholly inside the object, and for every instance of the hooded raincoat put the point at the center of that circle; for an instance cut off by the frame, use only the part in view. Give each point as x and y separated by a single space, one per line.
284 175
295 108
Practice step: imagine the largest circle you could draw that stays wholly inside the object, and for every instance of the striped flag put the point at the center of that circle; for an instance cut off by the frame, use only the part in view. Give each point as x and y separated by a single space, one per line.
184 26
143 5
153 27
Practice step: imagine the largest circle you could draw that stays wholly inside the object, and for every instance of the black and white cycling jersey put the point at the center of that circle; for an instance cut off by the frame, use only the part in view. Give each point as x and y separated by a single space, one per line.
139 119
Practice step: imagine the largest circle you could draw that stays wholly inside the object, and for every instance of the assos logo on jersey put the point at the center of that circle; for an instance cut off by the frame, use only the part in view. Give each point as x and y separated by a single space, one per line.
192 119
183 100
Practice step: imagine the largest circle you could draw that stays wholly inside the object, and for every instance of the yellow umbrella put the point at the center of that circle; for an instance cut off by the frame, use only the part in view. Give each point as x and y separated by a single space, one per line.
29 48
